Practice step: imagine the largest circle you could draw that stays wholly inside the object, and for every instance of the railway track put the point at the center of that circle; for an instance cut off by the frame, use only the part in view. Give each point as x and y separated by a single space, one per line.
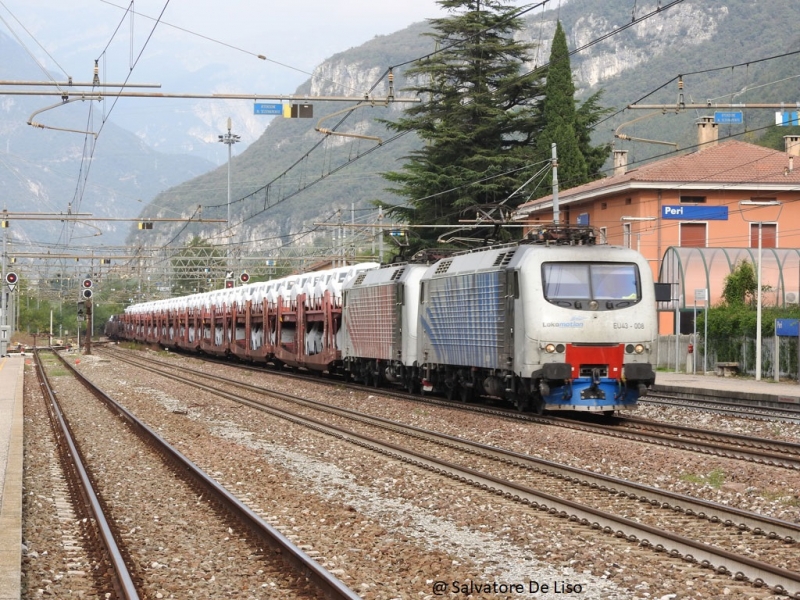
713 443
735 408
745 545
740 447
148 540
80 503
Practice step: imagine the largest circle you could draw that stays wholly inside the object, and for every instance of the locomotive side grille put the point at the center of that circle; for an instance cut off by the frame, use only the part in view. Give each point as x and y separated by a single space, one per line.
360 279
443 267
504 258
398 274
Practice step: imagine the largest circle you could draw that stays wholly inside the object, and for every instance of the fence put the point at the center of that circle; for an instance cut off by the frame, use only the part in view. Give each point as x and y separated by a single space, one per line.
739 350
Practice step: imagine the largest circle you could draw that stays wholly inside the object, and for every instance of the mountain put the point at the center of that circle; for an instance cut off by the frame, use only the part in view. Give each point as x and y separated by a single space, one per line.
46 170
331 176
271 203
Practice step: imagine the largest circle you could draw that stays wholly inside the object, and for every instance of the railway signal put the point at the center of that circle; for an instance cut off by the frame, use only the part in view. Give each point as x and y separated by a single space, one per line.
87 288
11 280
244 277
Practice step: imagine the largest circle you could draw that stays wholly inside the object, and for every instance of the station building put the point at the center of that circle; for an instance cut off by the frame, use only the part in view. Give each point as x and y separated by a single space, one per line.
695 216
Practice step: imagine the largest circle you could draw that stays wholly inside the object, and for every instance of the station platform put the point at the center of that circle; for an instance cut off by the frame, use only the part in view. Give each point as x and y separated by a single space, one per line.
11 379
736 388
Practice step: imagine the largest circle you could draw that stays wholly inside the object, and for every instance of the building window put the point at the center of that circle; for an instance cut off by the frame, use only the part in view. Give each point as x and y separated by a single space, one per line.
769 235
693 235
627 200
693 199
626 235
604 235
603 205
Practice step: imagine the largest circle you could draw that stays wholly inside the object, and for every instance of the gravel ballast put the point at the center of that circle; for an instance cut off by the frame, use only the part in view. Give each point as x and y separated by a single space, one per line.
390 530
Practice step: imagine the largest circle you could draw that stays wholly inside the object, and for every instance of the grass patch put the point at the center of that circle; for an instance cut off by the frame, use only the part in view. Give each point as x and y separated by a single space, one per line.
715 479
785 497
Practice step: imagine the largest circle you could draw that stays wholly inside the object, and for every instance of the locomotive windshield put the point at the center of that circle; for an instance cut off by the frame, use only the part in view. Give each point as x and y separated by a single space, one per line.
591 281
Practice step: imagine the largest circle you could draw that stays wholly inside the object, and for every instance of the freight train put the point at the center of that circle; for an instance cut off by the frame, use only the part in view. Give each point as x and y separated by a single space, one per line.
553 322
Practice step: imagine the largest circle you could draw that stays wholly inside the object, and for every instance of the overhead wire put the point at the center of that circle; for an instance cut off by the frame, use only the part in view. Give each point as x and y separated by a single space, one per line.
79 196
659 9
513 15
33 37
233 47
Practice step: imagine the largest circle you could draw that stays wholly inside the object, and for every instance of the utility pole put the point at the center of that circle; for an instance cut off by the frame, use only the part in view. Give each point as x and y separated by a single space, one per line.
5 296
89 326
229 139
554 162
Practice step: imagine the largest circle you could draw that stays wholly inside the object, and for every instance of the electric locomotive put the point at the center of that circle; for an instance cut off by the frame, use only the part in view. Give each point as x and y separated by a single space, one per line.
553 323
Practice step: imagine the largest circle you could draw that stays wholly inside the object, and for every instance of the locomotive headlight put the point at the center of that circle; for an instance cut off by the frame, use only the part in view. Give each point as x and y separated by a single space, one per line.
639 349
550 348
593 305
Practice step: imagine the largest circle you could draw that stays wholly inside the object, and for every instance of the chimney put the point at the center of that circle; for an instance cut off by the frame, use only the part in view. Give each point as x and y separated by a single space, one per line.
620 162
792 143
707 132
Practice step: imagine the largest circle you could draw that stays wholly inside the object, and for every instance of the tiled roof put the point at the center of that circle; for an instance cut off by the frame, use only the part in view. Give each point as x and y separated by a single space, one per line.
727 163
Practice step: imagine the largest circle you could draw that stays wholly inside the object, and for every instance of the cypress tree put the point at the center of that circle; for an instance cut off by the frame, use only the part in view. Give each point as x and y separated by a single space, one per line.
569 128
560 118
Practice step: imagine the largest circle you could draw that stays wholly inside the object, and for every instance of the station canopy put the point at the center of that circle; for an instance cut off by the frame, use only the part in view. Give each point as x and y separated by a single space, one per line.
689 270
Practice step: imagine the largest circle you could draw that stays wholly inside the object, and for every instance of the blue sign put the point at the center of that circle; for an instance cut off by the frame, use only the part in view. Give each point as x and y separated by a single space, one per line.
267 109
787 327
583 219
685 212
729 117
786 119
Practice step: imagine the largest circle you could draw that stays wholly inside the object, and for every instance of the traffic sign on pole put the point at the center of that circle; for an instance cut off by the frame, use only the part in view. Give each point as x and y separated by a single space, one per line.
261 108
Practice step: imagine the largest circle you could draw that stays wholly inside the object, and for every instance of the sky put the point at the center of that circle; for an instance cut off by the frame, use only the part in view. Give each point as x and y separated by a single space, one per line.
201 47
68 36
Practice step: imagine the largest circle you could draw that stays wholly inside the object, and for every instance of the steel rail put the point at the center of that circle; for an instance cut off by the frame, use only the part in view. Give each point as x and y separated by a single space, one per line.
120 575
762 409
763 525
741 567
738 439
328 583
772 459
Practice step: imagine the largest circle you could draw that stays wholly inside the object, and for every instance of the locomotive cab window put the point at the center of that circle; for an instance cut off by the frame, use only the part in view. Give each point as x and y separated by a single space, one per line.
568 284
